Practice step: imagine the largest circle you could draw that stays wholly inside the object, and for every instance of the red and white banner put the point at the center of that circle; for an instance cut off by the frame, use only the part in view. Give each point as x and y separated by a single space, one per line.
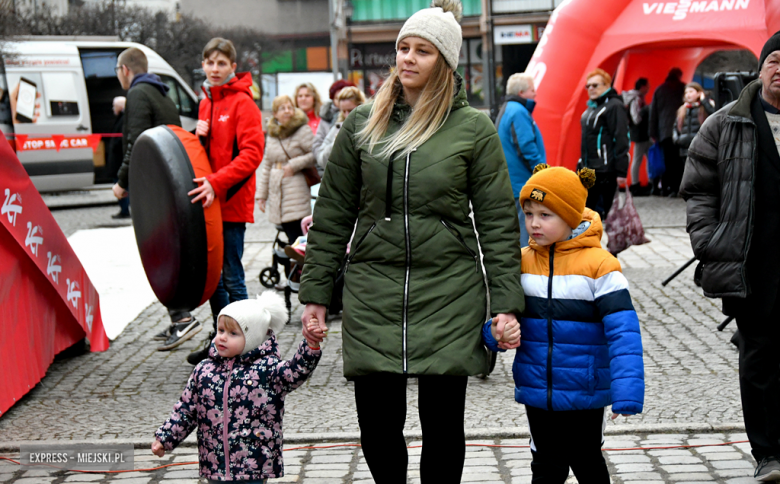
23 142
47 302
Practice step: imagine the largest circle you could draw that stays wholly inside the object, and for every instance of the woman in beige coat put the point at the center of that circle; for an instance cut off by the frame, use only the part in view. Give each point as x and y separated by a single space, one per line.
282 190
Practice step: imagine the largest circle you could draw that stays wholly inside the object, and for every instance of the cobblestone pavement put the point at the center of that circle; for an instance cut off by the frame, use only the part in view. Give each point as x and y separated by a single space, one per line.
486 462
127 391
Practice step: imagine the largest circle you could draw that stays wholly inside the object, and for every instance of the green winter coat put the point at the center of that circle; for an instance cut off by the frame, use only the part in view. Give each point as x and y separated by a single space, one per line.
414 293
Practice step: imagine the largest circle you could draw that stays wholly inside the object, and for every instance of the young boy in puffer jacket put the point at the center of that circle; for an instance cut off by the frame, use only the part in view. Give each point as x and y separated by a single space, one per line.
235 398
581 348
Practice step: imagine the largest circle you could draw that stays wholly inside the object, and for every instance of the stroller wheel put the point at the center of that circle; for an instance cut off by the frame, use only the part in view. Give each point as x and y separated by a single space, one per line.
269 277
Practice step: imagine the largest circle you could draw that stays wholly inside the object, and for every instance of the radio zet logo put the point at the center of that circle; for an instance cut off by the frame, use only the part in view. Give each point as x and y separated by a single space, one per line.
12 206
53 267
34 238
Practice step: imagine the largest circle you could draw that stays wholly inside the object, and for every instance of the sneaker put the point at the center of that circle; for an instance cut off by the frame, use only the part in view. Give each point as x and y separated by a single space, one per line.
768 470
121 215
200 354
180 333
166 333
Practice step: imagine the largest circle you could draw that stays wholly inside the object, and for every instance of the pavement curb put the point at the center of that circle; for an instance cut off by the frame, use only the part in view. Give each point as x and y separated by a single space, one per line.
471 434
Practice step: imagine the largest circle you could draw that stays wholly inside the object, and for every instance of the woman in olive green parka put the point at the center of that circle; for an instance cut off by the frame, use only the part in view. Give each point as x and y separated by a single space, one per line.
414 291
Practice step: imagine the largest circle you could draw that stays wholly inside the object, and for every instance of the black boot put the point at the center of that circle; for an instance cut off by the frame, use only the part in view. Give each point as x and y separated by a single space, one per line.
202 353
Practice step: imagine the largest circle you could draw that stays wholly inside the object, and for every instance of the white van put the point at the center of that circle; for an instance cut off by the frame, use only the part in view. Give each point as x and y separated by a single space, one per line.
73 83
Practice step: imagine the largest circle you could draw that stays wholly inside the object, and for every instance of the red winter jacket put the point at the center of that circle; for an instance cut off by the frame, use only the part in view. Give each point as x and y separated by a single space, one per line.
234 144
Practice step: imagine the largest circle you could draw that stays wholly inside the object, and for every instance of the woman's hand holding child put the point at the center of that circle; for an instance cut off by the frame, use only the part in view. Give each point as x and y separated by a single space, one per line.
506 331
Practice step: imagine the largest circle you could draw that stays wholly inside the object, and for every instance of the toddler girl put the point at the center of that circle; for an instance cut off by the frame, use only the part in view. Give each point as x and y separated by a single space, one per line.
236 396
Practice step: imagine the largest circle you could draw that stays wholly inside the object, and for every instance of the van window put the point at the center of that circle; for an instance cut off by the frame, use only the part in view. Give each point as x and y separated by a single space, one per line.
180 98
99 64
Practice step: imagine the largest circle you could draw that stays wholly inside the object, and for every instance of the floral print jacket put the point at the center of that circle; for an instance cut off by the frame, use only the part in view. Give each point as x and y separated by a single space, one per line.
237 405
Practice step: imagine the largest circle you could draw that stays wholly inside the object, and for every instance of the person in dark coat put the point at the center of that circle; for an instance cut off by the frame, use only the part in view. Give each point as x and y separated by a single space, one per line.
114 152
730 186
638 124
604 141
147 106
663 116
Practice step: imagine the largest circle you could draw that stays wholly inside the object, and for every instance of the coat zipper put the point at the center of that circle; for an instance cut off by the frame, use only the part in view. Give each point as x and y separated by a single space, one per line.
550 329
408 256
357 246
750 209
226 420
462 242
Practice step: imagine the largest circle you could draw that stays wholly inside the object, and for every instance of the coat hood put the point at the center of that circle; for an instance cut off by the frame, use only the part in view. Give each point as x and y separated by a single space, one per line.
741 107
528 104
276 130
152 79
401 110
241 82
591 237
605 97
328 112
629 96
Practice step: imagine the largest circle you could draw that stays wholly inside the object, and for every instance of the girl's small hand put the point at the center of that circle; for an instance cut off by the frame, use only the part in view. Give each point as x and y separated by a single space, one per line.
288 171
315 331
314 317
616 415
158 449
261 205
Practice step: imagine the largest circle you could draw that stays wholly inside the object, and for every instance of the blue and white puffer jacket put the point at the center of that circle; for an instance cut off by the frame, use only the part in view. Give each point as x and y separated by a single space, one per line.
581 347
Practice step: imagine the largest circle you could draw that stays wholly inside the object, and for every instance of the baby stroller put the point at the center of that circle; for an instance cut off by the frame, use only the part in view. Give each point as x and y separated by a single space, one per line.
290 255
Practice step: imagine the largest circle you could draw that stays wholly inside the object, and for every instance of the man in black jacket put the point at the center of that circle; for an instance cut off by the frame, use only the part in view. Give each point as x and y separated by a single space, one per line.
667 99
147 106
731 182
604 141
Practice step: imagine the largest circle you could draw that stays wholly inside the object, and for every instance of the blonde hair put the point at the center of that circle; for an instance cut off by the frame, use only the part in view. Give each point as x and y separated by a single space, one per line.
230 324
428 115
279 100
350 94
314 93
519 82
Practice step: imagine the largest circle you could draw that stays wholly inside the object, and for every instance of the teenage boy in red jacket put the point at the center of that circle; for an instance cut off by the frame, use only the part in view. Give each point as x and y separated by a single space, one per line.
230 125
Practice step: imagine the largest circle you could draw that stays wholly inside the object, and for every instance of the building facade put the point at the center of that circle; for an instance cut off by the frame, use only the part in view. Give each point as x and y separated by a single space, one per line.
499 38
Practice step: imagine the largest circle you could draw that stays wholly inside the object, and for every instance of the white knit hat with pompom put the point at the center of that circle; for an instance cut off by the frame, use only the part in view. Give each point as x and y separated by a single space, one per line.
257 316
439 25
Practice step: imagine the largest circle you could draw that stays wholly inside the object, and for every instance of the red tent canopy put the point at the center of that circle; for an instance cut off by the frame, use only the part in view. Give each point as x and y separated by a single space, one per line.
632 38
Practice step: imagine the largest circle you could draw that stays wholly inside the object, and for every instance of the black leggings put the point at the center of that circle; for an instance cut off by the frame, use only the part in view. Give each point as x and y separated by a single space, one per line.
380 399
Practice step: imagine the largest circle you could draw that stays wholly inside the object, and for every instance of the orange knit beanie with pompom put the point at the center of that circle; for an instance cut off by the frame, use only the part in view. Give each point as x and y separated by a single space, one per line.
561 190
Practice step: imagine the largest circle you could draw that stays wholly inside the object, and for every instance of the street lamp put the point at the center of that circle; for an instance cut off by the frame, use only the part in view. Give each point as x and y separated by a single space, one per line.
348 10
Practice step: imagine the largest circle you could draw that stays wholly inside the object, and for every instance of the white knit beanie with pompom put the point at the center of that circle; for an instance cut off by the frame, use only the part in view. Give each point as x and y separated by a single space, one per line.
439 25
257 316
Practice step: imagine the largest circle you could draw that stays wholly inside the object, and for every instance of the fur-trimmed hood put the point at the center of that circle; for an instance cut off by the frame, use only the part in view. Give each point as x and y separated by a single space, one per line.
277 130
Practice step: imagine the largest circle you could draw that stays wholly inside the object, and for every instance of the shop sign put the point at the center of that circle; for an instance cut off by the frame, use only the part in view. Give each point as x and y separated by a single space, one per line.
372 56
512 34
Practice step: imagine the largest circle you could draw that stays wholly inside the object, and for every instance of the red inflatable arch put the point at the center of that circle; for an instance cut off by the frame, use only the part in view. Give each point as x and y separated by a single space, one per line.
632 38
